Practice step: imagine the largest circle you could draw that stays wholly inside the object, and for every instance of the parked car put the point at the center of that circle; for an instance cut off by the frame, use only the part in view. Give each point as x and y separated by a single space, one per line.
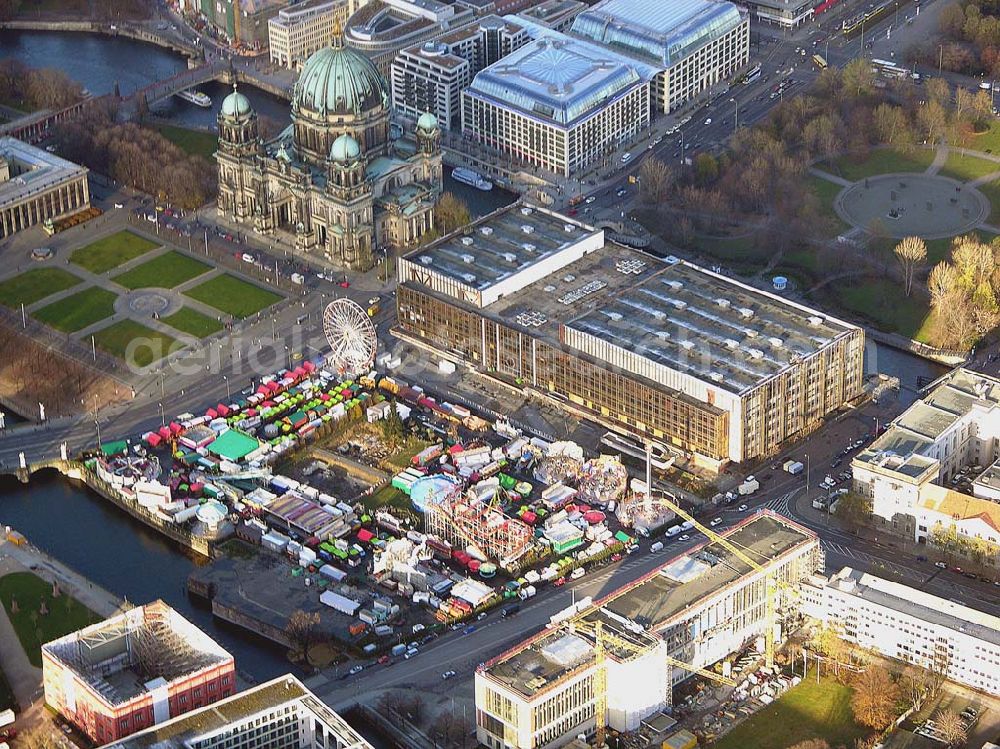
715 522
941 565
742 508
447 675
356 670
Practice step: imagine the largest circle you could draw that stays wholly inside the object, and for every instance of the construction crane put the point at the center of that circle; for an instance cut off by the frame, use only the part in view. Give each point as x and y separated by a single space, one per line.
633 649
771 585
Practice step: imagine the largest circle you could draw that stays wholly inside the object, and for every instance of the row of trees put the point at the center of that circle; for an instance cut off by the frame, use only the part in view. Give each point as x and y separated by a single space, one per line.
971 31
139 157
30 89
963 292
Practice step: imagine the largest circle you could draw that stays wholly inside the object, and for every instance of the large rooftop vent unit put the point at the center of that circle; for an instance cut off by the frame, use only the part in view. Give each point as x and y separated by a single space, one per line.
745 312
815 320
528 247
716 376
468 277
776 342
679 303
568 228
468 259
526 210
687 345
675 285
662 335
755 353
426 259
732 343
616 316
724 303
510 257
467 241
486 230
527 228
671 260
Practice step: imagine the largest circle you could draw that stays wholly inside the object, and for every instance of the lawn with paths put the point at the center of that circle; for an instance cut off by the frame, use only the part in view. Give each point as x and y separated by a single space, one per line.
33 285
167 271
111 251
879 161
883 303
965 168
233 296
193 322
151 346
64 614
77 311
809 710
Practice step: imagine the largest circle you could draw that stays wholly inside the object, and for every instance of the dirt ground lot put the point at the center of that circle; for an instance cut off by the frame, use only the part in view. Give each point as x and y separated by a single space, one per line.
953 698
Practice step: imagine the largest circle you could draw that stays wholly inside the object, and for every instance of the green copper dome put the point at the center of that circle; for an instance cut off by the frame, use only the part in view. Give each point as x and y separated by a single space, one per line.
338 80
236 105
427 122
345 148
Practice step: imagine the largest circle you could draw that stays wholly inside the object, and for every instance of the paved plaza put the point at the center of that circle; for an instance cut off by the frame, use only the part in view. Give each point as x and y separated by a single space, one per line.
908 204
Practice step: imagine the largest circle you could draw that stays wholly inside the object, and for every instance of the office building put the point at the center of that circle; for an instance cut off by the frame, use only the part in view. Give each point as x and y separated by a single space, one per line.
558 103
697 608
935 468
696 44
37 186
901 622
279 714
786 14
382 28
241 22
431 76
712 369
557 15
336 183
132 671
298 31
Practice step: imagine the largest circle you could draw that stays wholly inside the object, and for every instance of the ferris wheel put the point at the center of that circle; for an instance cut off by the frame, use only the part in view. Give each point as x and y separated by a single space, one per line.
351 336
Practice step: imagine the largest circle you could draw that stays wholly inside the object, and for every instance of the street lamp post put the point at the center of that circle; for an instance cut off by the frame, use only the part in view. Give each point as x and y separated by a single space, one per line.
229 396
807 472
736 119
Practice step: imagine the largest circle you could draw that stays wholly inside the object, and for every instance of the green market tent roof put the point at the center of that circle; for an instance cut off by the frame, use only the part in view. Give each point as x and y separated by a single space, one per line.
233 445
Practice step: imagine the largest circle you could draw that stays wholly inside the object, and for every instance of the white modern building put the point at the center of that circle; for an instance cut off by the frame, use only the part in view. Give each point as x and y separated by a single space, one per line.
936 466
430 77
558 103
787 14
697 608
298 31
696 44
279 714
909 625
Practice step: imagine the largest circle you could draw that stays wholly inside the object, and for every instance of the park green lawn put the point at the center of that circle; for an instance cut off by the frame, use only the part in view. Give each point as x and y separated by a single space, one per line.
192 322
965 168
233 296
884 305
77 311
111 251
826 193
991 190
810 710
989 141
65 613
194 142
151 345
38 283
166 271
879 161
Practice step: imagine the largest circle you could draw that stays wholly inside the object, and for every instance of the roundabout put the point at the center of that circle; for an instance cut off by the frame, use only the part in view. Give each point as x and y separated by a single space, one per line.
931 206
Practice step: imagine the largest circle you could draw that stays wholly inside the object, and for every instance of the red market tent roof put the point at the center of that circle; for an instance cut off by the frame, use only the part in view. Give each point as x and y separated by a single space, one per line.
593 517
309 366
175 427
164 432
152 439
222 409
299 371
212 413
365 535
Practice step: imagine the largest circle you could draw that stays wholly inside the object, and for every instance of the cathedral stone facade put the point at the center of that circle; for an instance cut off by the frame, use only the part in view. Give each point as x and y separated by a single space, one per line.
336 179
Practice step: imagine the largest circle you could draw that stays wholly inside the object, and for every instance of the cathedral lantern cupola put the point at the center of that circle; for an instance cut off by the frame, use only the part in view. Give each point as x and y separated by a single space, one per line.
238 126
428 134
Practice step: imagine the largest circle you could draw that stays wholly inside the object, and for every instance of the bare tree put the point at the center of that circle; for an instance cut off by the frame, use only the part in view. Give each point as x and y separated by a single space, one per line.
450 213
655 178
911 254
875 697
951 727
301 629
450 728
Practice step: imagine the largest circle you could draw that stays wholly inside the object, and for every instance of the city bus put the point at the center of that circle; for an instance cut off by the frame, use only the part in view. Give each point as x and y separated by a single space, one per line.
819 62
890 69
752 75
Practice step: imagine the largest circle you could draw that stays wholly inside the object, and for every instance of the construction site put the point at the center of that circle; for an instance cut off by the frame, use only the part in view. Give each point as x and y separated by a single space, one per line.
134 670
613 664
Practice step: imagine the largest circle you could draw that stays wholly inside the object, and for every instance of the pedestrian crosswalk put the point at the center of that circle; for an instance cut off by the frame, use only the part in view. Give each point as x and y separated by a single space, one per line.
874 564
780 503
